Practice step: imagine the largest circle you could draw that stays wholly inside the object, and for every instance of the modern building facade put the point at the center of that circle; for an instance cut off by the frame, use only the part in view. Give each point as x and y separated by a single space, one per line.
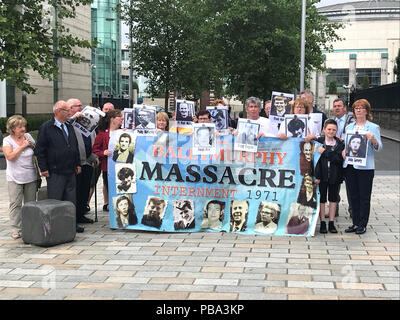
74 79
366 55
106 58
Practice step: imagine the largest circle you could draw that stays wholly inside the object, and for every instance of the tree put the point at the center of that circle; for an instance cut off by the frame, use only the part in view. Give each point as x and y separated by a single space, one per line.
396 68
365 82
31 39
332 88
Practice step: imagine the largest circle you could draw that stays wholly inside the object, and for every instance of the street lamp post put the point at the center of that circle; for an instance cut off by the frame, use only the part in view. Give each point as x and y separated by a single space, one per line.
303 43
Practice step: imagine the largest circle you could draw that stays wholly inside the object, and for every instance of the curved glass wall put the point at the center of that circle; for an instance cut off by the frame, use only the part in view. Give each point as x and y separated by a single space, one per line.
106 58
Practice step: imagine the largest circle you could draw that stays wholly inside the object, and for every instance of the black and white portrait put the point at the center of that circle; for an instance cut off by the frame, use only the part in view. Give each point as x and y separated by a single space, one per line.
124 147
296 125
154 211
184 110
184 217
246 137
124 208
307 194
299 219
280 103
89 120
238 213
213 214
307 150
125 177
219 116
356 148
267 217
145 118
128 118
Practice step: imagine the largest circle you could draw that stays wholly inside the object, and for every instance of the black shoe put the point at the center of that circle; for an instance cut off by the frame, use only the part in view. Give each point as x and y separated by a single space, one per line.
331 227
84 220
351 229
322 228
105 207
86 208
79 229
361 230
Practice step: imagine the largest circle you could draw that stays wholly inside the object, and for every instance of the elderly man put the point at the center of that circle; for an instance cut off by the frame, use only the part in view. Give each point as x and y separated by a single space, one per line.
342 119
239 212
87 160
58 155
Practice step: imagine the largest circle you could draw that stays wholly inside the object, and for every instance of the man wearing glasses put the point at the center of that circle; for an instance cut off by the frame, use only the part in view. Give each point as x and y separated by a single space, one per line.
58 155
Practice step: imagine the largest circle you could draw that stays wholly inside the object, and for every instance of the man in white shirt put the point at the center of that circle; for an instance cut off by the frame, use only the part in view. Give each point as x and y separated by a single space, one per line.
253 109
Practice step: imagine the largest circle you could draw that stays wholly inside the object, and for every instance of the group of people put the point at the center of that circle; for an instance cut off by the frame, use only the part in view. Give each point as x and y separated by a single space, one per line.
72 162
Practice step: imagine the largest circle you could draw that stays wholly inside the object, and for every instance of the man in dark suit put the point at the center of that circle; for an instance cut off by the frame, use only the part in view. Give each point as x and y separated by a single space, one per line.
58 155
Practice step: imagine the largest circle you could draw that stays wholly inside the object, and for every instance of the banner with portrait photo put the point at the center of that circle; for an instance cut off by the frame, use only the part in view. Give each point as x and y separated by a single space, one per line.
264 192
89 121
296 125
145 119
356 146
246 137
279 106
219 116
128 118
184 113
204 138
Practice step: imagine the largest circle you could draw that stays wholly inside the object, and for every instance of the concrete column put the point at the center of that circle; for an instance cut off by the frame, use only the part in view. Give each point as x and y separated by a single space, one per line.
353 70
321 89
384 68
3 99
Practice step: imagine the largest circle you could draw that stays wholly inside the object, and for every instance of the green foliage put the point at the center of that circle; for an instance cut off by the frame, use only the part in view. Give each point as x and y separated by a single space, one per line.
396 68
31 39
365 82
332 88
32 122
234 47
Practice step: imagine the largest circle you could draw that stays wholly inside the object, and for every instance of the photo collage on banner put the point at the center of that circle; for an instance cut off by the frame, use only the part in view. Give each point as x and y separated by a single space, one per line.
246 137
89 121
279 107
145 119
184 113
265 192
356 148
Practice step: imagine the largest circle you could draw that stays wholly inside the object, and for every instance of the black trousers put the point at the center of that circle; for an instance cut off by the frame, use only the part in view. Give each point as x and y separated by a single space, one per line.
62 187
83 181
360 183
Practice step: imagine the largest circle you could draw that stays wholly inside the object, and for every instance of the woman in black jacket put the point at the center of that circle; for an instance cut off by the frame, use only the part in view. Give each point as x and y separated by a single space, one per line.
329 173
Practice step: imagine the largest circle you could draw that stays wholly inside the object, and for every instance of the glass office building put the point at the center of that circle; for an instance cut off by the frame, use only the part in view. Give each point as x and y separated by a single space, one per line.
106 58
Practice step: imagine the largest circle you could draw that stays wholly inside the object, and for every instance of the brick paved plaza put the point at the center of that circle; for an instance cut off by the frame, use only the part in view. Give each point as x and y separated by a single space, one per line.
116 264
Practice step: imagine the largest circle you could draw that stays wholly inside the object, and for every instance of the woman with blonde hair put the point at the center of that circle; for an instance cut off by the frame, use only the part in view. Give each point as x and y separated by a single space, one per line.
162 121
21 172
359 179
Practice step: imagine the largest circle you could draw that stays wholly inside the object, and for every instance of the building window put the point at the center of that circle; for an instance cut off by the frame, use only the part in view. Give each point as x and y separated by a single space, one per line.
337 78
368 76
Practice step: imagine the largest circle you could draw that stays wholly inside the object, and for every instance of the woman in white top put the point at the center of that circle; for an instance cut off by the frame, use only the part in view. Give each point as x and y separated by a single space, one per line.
20 172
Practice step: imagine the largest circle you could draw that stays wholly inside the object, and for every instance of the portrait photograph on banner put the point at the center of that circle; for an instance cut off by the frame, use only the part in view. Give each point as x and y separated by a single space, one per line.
184 113
279 106
219 116
124 146
145 119
267 217
299 219
154 211
183 210
128 118
214 213
124 208
296 125
356 148
239 210
125 176
246 137
204 138
89 121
